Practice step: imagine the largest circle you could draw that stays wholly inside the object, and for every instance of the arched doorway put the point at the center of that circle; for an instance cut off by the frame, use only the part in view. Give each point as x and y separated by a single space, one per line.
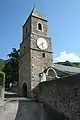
24 90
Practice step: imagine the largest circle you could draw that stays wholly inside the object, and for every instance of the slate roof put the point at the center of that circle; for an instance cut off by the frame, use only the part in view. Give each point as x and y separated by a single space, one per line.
35 13
68 69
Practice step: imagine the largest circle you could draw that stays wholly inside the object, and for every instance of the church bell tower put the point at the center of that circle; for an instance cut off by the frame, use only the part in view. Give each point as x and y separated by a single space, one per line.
35 50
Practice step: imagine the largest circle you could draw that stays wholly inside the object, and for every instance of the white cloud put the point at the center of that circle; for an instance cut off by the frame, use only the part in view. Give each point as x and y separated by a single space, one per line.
72 57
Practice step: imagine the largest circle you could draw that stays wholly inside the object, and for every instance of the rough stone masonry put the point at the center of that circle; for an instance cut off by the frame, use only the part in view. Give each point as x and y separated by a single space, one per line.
62 94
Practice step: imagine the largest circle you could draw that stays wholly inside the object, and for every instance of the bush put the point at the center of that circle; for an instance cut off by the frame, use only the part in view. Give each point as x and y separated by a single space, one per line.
2 79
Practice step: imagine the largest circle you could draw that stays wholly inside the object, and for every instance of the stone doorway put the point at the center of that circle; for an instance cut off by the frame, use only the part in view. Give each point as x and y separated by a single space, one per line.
24 90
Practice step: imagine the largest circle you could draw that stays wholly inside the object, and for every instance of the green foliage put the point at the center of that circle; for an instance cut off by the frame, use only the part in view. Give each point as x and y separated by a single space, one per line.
2 79
11 69
67 63
2 64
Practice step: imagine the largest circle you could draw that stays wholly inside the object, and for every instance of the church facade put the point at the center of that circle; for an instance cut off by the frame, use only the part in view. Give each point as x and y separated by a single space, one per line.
35 51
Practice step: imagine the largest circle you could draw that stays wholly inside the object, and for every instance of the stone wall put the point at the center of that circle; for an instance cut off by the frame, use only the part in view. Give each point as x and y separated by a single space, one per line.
62 94
34 23
2 94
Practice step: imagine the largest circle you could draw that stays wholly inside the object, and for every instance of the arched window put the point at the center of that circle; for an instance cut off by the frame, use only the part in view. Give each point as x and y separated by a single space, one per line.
51 73
39 26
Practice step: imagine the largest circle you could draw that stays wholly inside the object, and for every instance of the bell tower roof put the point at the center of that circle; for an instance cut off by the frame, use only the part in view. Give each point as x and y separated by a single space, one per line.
35 13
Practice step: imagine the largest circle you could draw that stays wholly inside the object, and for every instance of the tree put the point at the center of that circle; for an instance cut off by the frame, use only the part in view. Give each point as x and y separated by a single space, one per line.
2 64
66 63
11 69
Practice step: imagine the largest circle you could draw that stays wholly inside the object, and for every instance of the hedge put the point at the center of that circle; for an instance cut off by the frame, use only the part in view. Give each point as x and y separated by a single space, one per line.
2 79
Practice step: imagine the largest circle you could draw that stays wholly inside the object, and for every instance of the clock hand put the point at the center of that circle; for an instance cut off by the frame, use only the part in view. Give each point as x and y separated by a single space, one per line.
41 44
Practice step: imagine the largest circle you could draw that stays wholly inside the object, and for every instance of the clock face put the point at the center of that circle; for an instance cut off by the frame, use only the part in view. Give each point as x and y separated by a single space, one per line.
42 43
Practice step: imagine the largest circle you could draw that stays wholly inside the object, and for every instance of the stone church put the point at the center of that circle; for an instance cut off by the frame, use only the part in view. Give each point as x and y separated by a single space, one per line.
35 53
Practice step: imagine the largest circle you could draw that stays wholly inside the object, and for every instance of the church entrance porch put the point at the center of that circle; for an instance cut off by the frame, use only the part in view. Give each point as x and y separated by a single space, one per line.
48 74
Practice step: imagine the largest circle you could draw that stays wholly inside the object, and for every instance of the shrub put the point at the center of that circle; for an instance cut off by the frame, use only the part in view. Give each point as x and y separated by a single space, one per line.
2 79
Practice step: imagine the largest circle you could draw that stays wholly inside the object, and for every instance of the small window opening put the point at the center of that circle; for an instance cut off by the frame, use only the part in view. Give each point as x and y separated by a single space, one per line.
39 26
26 30
43 55
32 76
24 47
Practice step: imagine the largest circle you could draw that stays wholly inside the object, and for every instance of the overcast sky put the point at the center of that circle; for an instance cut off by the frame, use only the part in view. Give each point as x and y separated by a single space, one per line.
63 22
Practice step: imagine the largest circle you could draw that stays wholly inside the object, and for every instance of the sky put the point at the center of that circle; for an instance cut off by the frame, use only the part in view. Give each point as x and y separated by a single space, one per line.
63 25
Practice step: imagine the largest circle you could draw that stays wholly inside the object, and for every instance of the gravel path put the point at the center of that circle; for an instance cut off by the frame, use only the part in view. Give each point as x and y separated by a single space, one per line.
8 110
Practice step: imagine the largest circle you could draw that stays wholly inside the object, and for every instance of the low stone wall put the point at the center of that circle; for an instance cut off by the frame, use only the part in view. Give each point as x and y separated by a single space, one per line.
62 94
2 85
1 94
